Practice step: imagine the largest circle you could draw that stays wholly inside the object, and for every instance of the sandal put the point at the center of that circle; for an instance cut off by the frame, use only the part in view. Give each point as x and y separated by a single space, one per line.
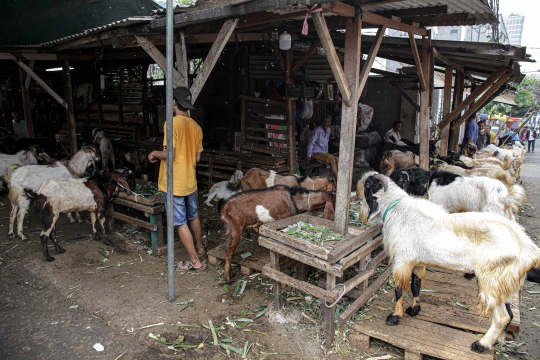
188 266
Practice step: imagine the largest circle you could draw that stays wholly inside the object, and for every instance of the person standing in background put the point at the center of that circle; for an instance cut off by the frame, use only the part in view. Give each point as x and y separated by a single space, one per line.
471 134
483 137
531 138
19 125
492 136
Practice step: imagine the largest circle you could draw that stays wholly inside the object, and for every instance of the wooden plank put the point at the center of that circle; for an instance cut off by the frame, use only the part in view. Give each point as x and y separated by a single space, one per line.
373 50
342 249
361 252
308 53
251 147
258 100
445 132
144 208
260 256
278 287
26 105
212 57
405 96
158 57
66 75
151 201
267 139
181 59
446 61
458 98
42 83
263 130
475 94
329 313
425 105
331 55
483 100
366 294
345 10
422 76
132 220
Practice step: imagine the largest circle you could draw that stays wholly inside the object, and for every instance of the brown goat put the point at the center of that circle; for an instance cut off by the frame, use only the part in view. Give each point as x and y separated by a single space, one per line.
395 160
257 178
251 209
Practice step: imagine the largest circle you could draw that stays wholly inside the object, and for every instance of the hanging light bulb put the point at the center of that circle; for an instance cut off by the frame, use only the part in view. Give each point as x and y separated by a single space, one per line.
285 41
102 80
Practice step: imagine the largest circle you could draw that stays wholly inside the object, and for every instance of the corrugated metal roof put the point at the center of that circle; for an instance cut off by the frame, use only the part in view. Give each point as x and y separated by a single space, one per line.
477 8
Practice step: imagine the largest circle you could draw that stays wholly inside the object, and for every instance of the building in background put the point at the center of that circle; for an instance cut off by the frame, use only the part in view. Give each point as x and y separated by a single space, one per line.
514 28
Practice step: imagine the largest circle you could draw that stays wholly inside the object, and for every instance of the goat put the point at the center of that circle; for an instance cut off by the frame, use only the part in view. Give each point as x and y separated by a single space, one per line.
397 160
469 150
461 194
32 156
105 146
256 178
221 190
59 196
252 208
494 173
31 177
419 233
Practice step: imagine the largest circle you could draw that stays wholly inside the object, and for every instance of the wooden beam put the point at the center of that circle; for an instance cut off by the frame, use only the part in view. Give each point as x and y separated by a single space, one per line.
425 105
42 83
181 59
66 75
370 59
348 124
333 59
445 132
291 122
308 53
345 10
469 100
430 10
459 88
446 61
26 106
422 77
266 18
405 96
158 57
212 57
483 99
28 77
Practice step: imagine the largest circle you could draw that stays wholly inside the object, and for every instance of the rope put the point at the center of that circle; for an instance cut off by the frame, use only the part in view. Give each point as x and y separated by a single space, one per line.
309 11
133 192
312 183
338 299
309 201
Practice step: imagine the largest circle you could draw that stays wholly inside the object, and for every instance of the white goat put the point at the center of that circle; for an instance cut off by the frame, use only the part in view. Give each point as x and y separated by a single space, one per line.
220 191
105 146
492 172
25 157
31 177
417 233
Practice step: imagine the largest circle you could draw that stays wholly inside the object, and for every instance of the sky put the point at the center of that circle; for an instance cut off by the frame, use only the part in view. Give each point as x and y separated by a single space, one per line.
531 30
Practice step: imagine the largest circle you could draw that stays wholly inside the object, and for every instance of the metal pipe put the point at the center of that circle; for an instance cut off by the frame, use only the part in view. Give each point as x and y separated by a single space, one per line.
169 122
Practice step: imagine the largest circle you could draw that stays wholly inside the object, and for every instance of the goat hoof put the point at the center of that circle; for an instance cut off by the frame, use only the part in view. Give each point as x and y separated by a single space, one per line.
477 347
49 259
469 276
413 311
61 250
392 320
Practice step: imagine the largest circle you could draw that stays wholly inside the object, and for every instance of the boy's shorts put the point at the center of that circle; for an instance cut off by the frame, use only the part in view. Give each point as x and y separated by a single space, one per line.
185 208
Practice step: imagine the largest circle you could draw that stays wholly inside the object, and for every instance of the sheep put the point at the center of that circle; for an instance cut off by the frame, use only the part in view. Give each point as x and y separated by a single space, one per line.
32 156
397 160
256 178
494 173
252 208
220 190
63 195
461 194
105 146
469 150
31 177
418 233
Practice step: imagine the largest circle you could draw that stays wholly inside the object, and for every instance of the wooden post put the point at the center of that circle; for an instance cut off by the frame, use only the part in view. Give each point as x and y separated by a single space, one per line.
453 141
28 77
425 105
144 80
353 27
278 298
69 111
181 59
448 76
41 82
291 123
120 110
26 106
422 77
329 313
364 74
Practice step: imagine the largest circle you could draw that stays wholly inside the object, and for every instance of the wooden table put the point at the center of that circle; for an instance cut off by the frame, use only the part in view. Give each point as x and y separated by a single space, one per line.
154 207
333 258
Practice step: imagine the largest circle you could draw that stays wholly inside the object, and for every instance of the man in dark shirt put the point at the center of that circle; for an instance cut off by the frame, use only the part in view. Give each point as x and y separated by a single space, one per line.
483 136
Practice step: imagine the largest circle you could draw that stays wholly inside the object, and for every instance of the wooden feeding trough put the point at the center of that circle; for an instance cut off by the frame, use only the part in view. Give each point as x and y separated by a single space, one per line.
358 246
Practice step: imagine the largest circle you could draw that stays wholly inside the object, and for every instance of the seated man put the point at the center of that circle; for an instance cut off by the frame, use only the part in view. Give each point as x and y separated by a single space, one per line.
318 146
394 135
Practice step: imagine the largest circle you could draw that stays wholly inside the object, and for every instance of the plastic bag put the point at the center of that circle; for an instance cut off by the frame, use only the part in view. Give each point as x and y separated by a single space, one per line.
307 110
365 115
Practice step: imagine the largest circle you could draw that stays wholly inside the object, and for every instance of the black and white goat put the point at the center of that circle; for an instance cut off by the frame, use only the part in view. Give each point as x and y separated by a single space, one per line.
222 190
461 194
418 233
32 176
60 196
106 148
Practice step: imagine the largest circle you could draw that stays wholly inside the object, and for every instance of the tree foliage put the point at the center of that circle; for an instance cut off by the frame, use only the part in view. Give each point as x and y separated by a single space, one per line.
528 92
496 108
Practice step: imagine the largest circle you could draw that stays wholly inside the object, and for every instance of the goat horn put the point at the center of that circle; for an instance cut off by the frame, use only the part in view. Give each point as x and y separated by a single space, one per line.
382 178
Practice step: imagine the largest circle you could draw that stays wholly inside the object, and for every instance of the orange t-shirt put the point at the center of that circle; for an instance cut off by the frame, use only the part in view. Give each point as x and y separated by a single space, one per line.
187 140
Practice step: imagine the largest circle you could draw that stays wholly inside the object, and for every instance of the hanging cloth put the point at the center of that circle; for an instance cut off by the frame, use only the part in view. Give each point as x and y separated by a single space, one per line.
309 11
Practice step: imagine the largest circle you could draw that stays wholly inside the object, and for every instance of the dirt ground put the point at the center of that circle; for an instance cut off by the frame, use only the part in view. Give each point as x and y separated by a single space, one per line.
118 298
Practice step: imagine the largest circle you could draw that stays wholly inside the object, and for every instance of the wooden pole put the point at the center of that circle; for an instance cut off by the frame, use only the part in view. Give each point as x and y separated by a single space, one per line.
453 141
181 59
419 68
353 27
448 76
144 80
28 77
41 82
70 117
364 74
26 106
291 123
425 105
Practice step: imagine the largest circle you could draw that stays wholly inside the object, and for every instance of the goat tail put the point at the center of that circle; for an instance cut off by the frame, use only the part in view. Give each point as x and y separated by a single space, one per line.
516 197
11 169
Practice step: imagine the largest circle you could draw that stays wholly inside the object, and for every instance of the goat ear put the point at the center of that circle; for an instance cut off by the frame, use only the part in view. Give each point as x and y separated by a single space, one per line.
370 205
118 178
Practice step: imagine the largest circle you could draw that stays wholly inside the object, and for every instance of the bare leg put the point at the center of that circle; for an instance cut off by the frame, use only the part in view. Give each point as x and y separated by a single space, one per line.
196 230
334 168
187 241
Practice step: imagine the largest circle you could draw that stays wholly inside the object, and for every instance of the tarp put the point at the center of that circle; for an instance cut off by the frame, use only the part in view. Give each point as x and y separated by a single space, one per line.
506 99
30 22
